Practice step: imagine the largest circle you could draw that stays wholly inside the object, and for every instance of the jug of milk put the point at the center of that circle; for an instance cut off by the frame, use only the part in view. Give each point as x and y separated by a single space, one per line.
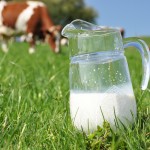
100 84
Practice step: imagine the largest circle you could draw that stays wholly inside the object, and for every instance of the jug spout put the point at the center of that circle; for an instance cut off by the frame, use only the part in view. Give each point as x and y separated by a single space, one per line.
78 26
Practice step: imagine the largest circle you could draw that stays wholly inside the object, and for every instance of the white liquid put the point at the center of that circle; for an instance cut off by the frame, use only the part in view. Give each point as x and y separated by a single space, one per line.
88 110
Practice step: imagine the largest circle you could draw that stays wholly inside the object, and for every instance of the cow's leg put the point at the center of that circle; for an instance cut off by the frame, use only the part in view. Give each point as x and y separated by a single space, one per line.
31 41
4 44
31 48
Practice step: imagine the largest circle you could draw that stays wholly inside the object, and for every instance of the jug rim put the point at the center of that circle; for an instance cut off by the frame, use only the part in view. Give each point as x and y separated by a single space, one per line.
77 32
71 31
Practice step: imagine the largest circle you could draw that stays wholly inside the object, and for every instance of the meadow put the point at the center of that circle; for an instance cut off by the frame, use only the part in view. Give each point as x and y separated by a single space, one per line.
34 104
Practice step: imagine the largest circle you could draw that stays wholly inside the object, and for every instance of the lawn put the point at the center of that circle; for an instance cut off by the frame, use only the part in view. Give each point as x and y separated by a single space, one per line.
34 104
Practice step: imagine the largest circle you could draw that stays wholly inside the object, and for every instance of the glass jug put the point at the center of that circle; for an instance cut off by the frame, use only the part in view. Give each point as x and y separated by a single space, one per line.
100 84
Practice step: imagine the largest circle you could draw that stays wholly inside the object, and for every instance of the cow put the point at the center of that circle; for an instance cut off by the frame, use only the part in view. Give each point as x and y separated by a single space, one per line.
30 19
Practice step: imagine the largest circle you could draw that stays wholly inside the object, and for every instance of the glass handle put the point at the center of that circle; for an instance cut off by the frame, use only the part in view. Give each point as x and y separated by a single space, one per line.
145 54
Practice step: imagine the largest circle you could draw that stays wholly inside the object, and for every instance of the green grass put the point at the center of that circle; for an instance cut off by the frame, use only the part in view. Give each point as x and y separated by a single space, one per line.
34 104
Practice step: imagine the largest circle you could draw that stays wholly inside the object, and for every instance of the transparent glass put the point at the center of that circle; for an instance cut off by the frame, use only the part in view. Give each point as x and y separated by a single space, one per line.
100 84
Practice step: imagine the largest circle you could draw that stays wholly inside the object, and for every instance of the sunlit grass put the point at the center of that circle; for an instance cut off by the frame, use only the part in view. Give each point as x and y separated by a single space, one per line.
34 104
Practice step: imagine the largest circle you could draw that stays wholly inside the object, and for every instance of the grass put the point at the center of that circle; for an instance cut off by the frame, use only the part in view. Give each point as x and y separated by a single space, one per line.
34 104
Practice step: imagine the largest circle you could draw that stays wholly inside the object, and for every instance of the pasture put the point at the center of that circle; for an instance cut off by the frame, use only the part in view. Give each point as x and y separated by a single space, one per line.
34 104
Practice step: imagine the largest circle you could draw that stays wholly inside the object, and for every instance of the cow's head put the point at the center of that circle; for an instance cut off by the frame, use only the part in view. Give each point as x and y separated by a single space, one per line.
53 37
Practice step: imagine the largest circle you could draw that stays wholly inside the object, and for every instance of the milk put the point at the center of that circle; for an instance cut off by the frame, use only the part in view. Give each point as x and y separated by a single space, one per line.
89 109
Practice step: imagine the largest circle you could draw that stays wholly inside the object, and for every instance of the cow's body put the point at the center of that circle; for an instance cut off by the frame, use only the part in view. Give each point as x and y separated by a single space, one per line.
28 18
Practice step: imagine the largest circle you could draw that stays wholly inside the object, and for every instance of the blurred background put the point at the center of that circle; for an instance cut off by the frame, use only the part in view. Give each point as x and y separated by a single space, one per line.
64 11
132 16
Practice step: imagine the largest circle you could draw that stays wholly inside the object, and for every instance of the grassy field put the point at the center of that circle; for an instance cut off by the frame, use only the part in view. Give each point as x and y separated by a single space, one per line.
34 104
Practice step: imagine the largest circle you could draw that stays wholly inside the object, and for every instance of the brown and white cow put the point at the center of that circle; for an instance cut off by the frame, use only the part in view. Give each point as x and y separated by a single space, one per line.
30 19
